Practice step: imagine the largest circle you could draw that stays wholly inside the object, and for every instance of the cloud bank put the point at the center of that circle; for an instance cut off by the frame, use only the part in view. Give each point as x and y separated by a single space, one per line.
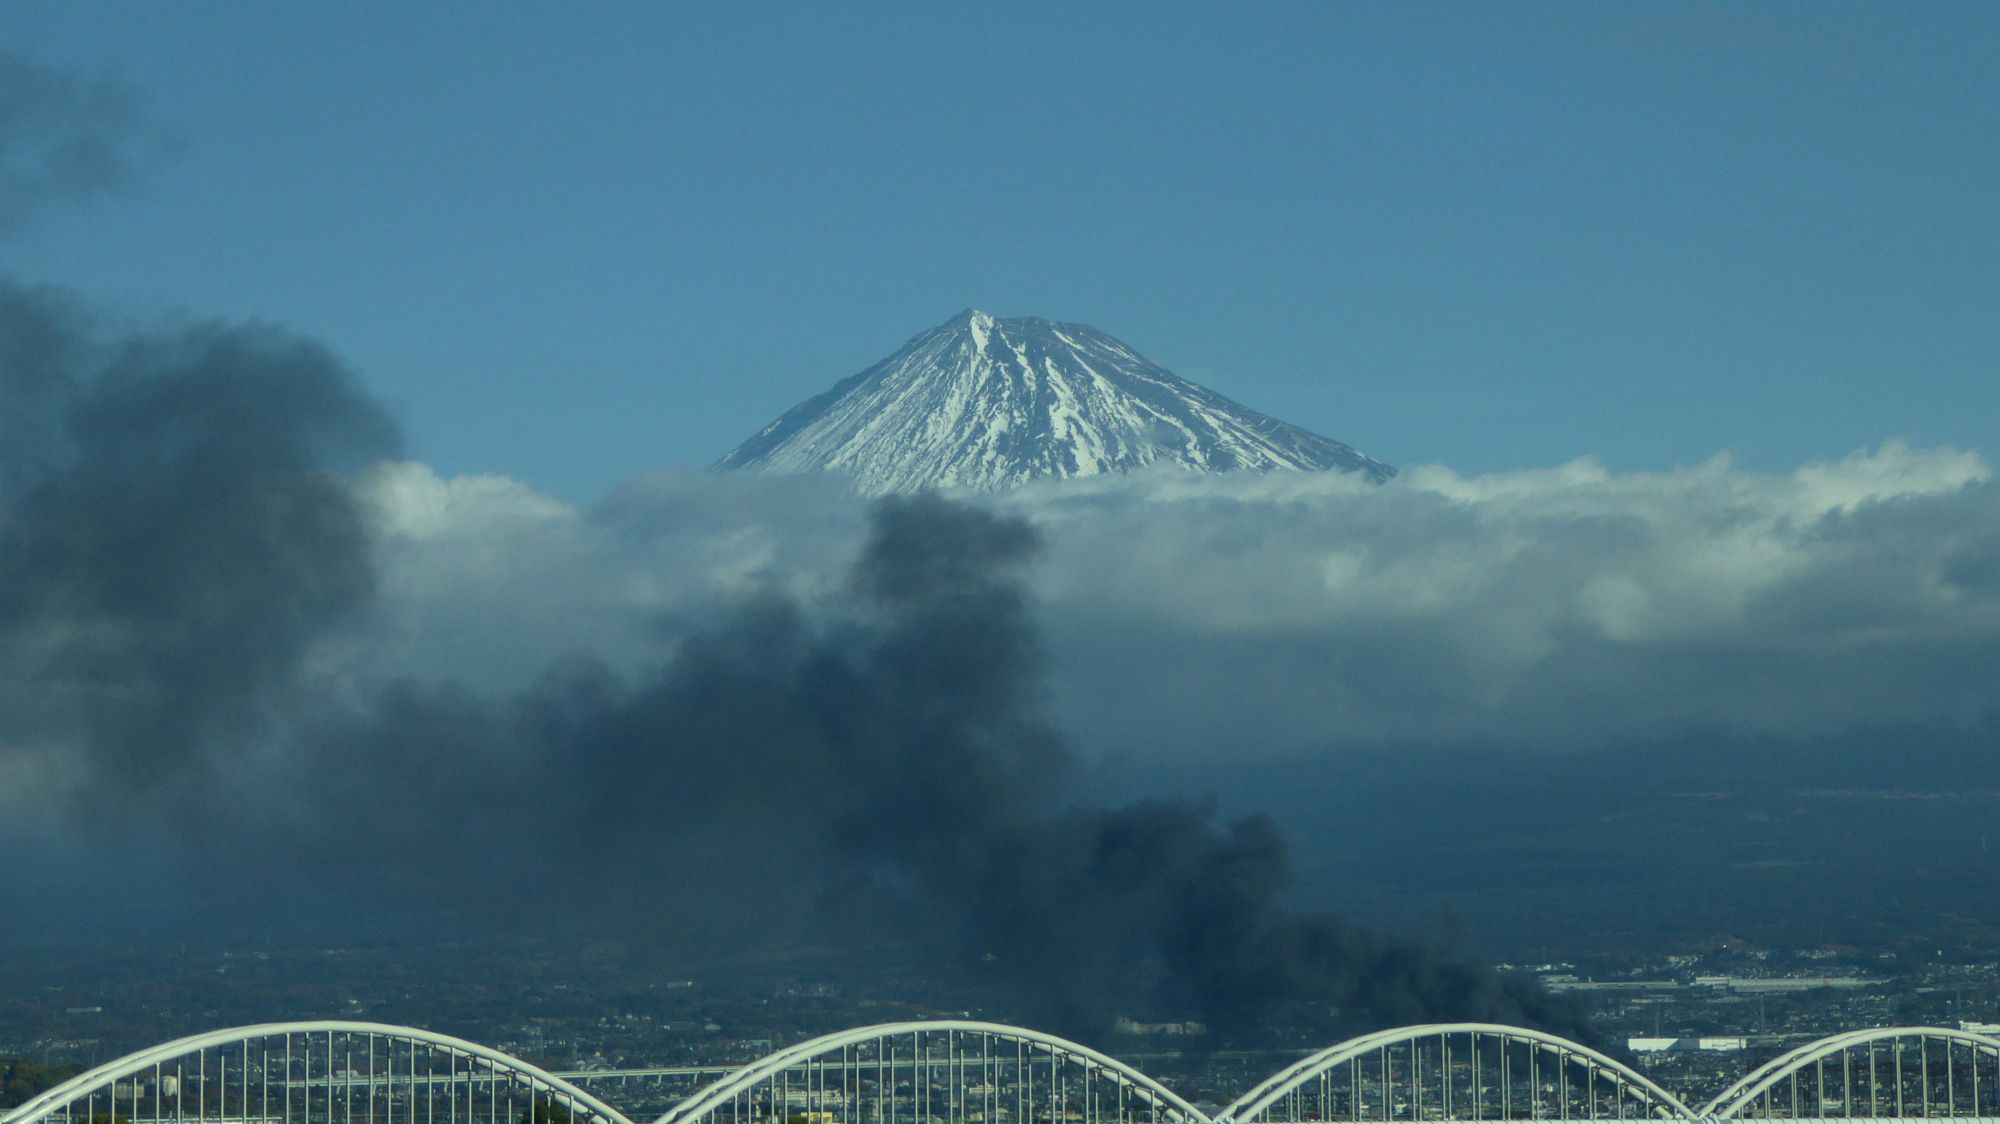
1564 609
1560 609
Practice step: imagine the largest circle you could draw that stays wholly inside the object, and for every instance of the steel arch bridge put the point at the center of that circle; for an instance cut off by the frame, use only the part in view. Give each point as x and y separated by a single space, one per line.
973 1071
276 1073
1922 1071
1454 1071
965 1072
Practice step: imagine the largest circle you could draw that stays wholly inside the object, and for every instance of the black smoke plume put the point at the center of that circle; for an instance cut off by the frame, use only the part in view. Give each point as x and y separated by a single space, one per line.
871 768
66 137
174 536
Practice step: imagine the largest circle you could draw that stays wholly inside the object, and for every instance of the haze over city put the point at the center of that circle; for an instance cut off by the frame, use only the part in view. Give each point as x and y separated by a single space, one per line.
1239 518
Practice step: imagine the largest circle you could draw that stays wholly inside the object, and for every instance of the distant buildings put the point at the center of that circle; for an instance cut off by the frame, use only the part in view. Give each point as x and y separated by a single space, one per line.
1683 1045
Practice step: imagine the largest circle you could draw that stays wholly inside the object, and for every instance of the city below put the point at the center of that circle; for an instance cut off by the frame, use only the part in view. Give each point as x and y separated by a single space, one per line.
522 1032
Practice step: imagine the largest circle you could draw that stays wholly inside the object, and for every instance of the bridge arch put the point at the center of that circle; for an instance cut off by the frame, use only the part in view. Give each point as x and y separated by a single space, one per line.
1468 1071
960 1070
1906 1070
337 1071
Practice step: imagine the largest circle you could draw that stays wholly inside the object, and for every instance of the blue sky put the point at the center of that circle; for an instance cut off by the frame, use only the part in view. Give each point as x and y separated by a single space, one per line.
576 243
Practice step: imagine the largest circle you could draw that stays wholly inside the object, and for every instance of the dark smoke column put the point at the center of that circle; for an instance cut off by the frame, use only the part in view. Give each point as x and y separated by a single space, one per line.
883 760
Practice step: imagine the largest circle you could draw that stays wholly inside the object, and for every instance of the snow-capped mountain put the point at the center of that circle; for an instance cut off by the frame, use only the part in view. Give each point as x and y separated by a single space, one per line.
978 402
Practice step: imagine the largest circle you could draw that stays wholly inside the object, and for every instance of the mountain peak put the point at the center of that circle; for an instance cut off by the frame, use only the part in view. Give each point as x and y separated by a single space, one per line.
983 327
985 402
975 323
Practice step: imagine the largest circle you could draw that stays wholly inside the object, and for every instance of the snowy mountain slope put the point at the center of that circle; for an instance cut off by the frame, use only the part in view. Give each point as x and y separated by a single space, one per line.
984 403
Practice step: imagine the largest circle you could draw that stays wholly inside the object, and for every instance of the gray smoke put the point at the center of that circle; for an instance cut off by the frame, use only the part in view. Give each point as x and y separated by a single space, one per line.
173 538
66 137
871 768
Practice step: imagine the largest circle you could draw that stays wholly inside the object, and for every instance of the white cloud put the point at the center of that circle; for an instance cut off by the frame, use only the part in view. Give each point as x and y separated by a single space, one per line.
485 580
409 501
1562 607
1552 607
